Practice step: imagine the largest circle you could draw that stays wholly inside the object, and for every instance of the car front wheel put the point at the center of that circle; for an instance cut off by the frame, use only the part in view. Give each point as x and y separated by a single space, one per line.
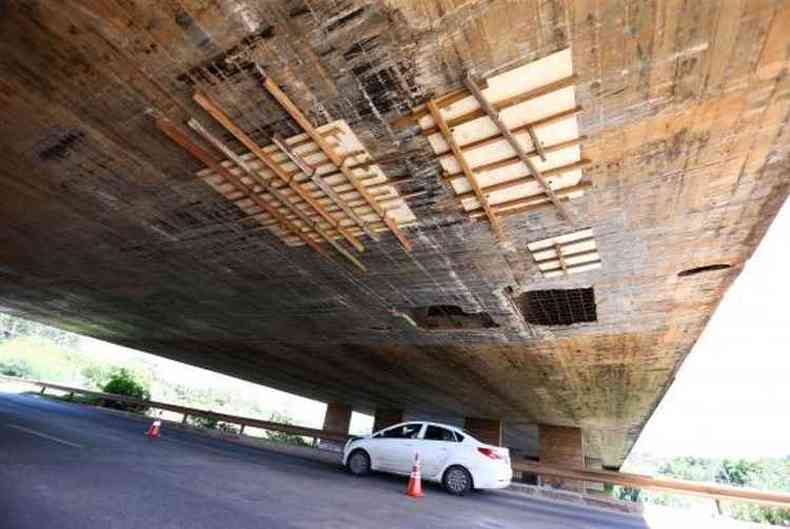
457 480
359 463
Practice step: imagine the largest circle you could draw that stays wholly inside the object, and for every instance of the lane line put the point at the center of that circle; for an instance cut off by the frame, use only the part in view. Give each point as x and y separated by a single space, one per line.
43 435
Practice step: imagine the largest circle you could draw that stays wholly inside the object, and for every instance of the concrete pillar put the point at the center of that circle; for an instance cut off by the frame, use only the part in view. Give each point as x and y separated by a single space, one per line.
338 417
562 446
591 487
488 431
386 417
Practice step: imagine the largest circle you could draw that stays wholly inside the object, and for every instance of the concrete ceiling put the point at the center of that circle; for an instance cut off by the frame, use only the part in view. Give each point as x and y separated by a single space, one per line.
104 230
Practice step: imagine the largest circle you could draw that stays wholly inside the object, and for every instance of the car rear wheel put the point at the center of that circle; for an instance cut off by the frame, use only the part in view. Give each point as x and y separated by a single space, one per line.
457 480
359 462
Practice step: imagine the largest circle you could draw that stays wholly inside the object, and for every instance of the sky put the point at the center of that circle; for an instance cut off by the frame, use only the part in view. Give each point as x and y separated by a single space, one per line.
731 397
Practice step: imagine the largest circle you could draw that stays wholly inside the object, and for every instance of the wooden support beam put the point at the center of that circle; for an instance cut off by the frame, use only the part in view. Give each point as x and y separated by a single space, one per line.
508 184
356 205
459 156
210 106
462 93
585 253
313 216
197 127
312 174
501 105
330 153
517 147
560 258
511 160
208 159
530 202
566 268
442 101
497 137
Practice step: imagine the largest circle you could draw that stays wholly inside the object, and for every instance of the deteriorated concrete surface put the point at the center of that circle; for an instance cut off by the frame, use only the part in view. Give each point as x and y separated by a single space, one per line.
104 231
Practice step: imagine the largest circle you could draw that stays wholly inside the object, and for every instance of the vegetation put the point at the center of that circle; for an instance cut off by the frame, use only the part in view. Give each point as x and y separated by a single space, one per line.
16 367
282 437
765 473
123 382
36 351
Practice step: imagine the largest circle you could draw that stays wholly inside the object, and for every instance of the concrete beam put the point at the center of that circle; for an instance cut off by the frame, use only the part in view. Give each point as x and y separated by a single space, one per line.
386 417
562 446
485 430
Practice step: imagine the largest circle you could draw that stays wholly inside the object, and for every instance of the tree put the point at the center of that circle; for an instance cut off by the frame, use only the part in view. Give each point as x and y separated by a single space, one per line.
124 382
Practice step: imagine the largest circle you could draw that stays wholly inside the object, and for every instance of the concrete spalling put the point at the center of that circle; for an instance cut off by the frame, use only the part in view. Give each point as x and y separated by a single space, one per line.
106 231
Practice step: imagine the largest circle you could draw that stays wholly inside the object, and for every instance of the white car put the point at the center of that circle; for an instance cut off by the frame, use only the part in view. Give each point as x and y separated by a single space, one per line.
448 455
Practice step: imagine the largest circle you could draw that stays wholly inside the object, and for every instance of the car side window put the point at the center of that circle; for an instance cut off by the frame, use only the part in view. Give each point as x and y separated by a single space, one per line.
405 431
437 433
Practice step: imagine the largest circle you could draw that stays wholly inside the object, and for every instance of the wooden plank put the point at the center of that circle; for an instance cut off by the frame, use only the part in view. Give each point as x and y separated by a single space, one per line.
208 159
503 104
218 114
324 186
197 127
566 268
508 184
489 140
330 153
511 207
585 253
514 143
512 160
448 136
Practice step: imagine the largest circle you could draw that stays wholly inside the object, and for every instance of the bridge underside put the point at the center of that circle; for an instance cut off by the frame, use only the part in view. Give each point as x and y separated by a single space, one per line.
106 231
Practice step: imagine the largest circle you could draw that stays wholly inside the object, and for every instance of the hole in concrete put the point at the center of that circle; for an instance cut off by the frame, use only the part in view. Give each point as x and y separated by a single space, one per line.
559 306
703 269
451 317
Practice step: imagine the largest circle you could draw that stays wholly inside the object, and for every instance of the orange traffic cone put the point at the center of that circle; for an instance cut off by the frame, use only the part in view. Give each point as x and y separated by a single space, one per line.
153 430
415 480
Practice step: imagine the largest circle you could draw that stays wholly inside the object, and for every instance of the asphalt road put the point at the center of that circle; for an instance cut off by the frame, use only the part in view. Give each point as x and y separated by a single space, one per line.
67 466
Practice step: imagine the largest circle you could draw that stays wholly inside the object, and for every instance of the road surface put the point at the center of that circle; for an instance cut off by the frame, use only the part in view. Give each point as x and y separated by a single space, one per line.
67 466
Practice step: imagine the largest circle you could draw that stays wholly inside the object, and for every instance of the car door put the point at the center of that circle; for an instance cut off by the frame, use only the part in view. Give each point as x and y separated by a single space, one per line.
394 448
436 447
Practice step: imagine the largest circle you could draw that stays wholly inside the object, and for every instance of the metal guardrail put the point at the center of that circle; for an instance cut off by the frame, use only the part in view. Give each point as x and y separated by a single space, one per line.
677 486
711 490
187 411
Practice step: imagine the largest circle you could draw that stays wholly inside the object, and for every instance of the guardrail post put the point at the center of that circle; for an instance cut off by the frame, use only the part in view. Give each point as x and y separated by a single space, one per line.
43 389
241 430
184 419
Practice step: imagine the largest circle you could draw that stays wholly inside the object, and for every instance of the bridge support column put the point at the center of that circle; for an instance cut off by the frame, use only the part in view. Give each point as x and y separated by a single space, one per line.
338 417
562 446
386 417
488 431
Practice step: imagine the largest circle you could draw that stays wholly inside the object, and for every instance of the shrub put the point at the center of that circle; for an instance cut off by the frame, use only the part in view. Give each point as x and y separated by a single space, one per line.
282 437
213 424
16 367
123 382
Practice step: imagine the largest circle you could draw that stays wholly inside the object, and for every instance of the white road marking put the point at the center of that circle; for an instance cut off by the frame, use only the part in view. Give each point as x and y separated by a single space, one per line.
45 436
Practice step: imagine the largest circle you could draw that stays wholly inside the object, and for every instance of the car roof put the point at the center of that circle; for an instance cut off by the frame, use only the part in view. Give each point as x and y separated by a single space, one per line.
440 424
